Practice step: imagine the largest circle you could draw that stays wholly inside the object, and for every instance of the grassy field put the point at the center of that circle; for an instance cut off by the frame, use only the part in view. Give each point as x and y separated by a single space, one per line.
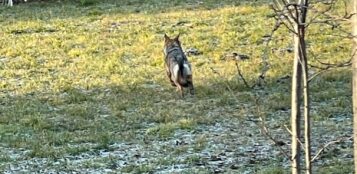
83 89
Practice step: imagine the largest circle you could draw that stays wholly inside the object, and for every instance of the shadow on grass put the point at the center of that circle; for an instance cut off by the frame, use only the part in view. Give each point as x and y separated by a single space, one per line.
77 115
53 125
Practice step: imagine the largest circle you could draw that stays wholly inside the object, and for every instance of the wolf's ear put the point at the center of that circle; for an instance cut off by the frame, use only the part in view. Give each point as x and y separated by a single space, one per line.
177 37
166 37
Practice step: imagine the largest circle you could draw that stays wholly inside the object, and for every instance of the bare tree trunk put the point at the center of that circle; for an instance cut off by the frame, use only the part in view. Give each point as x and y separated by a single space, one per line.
300 73
307 121
303 57
295 108
354 78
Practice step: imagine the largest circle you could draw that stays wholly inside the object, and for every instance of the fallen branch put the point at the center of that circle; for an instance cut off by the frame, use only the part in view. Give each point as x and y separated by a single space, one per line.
319 152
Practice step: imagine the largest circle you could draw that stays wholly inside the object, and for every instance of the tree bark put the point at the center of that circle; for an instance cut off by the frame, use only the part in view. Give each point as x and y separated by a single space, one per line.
300 75
354 78
303 57
295 107
307 122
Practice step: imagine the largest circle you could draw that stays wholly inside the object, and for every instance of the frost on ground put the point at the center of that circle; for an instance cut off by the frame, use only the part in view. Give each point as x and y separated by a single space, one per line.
83 89
223 147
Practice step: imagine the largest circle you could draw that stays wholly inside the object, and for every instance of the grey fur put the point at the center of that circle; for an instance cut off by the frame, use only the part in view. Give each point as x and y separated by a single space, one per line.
178 68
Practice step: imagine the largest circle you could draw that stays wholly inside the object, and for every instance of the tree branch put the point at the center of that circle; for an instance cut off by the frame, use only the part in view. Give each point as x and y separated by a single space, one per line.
298 139
241 76
329 66
265 130
319 152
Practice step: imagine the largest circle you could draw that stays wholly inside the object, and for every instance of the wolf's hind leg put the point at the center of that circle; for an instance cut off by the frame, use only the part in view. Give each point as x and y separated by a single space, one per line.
190 85
180 89
192 89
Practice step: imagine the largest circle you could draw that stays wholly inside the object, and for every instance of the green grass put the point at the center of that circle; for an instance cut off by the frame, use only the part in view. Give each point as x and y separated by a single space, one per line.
79 77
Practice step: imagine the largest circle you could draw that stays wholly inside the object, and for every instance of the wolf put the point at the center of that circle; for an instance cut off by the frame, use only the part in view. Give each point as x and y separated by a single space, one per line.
178 69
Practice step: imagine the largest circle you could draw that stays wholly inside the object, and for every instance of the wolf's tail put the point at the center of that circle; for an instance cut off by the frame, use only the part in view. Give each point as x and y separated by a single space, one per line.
179 72
181 68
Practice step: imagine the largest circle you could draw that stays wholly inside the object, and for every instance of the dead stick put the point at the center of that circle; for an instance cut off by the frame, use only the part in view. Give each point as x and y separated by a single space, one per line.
328 144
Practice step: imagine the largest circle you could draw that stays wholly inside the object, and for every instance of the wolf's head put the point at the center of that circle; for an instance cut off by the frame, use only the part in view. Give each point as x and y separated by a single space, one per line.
171 44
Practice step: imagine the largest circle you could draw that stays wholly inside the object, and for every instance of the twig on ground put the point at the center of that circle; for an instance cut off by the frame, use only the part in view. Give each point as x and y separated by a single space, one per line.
319 152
